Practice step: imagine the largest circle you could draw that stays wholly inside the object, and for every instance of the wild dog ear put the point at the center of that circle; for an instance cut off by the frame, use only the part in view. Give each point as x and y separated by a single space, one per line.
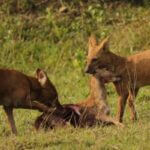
41 76
92 41
104 45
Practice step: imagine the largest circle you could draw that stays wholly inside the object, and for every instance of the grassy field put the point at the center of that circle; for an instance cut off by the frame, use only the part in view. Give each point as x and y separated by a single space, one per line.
54 37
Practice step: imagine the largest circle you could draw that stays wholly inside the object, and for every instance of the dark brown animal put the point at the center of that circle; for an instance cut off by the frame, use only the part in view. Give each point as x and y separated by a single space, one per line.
94 110
18 90
134 72
87 117
58 118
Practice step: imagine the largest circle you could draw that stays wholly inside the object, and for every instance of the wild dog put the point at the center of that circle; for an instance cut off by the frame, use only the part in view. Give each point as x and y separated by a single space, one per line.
134 72
18 90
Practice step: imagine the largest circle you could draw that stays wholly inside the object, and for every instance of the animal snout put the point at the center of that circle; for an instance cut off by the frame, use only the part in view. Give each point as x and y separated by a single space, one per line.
89 70
86 69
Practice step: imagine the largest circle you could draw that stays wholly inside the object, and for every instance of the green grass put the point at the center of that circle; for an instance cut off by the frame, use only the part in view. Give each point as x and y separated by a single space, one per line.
57 42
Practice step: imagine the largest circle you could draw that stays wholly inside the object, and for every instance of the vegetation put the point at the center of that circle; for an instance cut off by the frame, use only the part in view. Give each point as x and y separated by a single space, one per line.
53 36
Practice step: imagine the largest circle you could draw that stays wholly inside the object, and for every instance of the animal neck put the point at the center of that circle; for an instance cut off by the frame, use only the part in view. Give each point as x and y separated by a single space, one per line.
117 61
35 88
97 91
34 84
99 95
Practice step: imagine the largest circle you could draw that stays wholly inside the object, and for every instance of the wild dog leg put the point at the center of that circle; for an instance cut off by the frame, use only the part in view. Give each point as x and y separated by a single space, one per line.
131 99
41 107
38 106
123 93
9 113
121 107
108 119
33 105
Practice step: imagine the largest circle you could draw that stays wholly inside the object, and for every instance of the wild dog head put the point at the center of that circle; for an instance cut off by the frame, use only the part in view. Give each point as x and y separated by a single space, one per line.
98 55
48 93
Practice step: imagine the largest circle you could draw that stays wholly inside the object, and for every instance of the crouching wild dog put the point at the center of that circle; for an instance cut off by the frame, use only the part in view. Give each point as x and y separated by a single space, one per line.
18 90
134 72
89 112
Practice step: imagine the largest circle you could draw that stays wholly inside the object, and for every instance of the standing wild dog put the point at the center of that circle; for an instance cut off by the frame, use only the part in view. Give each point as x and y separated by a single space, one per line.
18 90
134 72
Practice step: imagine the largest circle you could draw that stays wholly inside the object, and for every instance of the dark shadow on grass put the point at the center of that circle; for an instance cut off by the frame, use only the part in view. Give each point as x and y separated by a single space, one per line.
74 142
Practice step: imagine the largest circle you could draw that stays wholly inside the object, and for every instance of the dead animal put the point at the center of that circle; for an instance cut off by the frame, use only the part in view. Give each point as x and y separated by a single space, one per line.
76 115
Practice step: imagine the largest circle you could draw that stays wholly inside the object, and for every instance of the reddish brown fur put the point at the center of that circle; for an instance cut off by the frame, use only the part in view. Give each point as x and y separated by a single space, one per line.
89 112
18 90
98 94
133 70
